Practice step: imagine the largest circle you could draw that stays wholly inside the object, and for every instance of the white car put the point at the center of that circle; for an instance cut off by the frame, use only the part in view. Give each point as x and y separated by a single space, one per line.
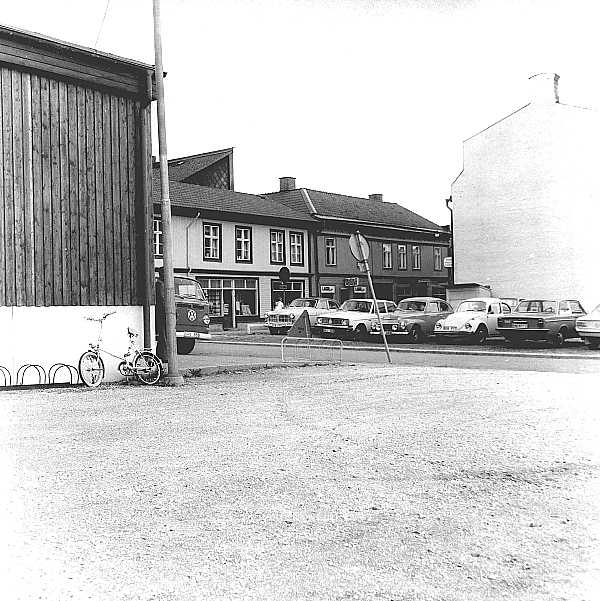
588 327
355 319
475 319
281 320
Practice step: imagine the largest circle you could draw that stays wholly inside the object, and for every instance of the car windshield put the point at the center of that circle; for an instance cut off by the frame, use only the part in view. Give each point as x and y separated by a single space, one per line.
189 289
412 306
303 302
471 306
364 306
536 306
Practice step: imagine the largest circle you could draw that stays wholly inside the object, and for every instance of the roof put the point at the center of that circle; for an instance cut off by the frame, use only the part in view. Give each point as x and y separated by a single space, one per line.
182 168
225 201
352 208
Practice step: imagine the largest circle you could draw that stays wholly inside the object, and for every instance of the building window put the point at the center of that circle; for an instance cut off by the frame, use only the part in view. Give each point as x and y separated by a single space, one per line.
296 248
222 292
158 236
387 256
330 252
437 258
277 246
286 292
243 245
212 242
416 257
401 256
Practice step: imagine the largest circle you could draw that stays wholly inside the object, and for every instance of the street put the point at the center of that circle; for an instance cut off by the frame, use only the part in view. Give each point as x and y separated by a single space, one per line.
333 482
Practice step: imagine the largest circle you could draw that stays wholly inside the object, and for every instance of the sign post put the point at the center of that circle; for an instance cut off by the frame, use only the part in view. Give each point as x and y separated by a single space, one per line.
359 248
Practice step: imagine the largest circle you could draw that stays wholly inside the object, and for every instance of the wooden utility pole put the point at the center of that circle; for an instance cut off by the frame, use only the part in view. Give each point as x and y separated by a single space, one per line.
173 377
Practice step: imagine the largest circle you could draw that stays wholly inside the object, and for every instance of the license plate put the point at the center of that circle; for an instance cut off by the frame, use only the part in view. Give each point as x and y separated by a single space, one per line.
520 325
449 327
329 330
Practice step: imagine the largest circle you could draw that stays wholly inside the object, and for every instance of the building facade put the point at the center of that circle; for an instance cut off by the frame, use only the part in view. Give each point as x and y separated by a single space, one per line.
407 251
234 244
526 205
75 236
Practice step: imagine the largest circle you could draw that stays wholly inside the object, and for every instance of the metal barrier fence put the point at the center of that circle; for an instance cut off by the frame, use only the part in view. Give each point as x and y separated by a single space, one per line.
311 349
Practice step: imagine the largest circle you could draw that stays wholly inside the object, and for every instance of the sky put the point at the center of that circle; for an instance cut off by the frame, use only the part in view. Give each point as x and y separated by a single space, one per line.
356 97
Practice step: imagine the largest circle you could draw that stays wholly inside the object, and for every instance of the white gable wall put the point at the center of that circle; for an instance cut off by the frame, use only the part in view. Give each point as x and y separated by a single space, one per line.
526 207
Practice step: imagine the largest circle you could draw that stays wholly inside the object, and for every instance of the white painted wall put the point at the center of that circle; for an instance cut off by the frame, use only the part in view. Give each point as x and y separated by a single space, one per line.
48 335
527 205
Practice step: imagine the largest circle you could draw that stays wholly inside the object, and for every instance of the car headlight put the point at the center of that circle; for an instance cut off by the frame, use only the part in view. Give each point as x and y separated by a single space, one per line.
403 325
292 316
376 327
206 320
395 327
345 322
320 320
439 324
468 326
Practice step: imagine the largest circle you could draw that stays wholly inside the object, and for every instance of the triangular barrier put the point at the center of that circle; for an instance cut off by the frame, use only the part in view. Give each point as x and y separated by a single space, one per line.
301 327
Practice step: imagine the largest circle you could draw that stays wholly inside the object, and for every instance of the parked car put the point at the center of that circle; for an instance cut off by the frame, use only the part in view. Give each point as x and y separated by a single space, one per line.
588 327
537 319
415 317
355 319
281 320
475 319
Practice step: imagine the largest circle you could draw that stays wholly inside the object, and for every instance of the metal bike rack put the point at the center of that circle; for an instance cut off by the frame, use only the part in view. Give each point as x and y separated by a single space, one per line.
311 349
6 375
41 373
72 371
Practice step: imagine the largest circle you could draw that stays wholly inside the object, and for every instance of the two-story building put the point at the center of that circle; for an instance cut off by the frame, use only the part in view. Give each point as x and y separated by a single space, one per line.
234 244
407 251
526 205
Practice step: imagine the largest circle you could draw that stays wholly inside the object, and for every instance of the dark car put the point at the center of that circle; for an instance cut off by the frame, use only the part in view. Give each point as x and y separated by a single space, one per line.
537 319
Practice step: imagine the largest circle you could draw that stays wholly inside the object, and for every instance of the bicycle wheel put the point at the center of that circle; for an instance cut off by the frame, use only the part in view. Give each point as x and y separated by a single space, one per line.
91 369
148 367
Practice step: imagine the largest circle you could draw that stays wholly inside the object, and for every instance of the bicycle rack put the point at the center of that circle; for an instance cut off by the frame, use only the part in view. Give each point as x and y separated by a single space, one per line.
40 371
6 375
313 346
72 371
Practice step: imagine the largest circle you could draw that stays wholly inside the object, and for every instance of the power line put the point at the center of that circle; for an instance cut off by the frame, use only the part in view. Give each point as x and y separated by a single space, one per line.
101 25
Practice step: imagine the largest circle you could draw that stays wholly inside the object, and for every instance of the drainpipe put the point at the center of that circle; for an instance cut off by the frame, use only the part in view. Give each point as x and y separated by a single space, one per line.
450 208
187 243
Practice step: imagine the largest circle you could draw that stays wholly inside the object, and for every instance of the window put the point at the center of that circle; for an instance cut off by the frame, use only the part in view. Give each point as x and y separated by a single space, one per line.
277 246
416 257
437 258
401 256
243 245
212 242
158 237
330 252
221 292
296 248
387 256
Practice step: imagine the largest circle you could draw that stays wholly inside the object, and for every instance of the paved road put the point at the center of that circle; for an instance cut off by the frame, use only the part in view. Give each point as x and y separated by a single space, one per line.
575 358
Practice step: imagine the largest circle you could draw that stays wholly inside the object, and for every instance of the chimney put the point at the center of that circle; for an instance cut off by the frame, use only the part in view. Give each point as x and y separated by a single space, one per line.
544 88
287 183
377 197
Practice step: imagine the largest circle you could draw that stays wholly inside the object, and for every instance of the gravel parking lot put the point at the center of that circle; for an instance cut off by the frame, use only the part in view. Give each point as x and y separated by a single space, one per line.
315 483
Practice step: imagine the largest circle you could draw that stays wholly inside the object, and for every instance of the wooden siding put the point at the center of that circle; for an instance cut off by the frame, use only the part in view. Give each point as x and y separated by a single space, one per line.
70 185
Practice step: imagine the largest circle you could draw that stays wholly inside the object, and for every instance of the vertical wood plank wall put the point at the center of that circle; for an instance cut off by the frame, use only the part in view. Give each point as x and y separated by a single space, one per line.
70 186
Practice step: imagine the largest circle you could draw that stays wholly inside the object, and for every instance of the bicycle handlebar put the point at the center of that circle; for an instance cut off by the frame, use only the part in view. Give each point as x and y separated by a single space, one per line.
100 318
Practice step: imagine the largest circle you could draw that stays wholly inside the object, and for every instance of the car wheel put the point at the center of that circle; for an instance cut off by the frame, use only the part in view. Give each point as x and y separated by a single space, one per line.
415 335
559 338
361 332
481 334
185 346
594 343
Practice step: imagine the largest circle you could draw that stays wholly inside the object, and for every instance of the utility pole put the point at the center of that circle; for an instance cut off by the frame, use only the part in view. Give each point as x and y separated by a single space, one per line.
173 377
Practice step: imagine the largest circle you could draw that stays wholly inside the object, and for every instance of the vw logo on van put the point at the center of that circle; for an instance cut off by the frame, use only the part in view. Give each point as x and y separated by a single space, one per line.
192 315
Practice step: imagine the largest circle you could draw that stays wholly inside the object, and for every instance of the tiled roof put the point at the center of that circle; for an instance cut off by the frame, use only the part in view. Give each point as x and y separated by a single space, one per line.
364 210
225 201
184 167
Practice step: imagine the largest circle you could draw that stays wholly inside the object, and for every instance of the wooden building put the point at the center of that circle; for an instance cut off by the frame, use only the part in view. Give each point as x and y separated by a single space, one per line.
75 223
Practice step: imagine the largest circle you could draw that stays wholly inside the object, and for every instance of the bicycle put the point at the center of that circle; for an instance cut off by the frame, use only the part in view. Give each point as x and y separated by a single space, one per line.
141 364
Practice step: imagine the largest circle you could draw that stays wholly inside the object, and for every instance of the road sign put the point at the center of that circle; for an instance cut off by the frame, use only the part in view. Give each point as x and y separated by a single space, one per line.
284 274
447 261
359 247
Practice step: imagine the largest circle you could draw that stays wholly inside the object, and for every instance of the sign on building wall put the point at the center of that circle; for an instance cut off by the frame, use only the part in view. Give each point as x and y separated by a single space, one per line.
448 262
360 289
327 289
349 282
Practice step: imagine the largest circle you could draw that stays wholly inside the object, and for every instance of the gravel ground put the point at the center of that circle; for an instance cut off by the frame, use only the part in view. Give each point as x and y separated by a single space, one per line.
317 483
